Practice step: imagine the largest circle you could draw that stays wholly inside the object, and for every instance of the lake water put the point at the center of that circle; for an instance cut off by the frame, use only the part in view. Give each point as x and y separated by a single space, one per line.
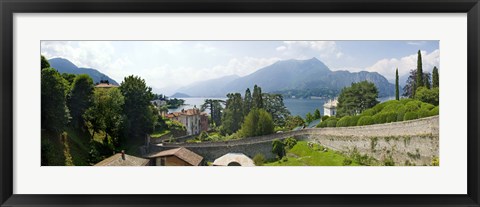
295 106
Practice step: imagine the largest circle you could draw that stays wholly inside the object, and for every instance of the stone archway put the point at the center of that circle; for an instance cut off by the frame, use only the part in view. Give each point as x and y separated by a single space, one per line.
234 164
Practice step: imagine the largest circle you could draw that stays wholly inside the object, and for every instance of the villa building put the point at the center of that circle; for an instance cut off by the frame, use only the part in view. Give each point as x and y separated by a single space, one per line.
194 121
176 157
330 108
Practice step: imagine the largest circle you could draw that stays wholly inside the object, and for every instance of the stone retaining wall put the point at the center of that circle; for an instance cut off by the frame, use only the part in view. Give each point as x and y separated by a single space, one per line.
409 142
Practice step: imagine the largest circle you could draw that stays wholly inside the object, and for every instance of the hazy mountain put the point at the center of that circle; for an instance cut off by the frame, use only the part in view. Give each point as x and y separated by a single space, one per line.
208 88
65 66
179 95
296 75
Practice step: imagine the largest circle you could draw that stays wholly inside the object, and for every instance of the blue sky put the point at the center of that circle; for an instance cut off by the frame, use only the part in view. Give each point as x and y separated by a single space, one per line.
168 65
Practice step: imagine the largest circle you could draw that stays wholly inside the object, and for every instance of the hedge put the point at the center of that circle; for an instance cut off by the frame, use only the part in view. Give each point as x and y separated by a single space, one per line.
324 118
332 122
368 112
344 121
365 120
391 117
427 106
410 116
434 111
353 120
401 113
423 113
380 118
412 106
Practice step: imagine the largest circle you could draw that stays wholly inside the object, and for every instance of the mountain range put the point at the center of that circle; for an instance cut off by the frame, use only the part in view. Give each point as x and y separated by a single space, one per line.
65 66
289 76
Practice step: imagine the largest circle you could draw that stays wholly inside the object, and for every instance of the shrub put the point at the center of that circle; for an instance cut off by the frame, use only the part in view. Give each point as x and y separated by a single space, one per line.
401 113
427 106
332 122
353 120
435 161
404 101
365 120
410 116
380 118
324 118
203 136
379 107
434 111
427 95
347 161
392 106
368 112
259 159
412 106
344 121
390 117
278 148
423 113
322 124
290 142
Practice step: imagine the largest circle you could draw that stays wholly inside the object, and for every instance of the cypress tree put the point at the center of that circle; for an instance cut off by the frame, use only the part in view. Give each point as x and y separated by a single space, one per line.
397 95
257 97
247 102
435 78
420 82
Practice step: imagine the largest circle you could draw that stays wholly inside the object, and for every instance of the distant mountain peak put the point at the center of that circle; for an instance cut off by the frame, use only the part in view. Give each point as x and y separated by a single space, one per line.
63 65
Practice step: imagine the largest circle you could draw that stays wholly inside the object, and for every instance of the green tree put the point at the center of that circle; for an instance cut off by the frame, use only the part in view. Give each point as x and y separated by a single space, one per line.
419 82
294 121
44 62
215 106
257 123
278 148
435 78
80 99
428 95
316 114
355 99
257 97
138 121
54 111
273 104
106 113
397 93
232 117
309 117
247 102
69 78
411 86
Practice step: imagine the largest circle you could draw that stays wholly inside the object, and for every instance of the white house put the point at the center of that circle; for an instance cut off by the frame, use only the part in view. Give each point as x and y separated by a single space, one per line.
330 108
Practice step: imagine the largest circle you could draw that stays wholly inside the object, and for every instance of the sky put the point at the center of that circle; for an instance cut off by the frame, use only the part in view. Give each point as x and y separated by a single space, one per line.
169 65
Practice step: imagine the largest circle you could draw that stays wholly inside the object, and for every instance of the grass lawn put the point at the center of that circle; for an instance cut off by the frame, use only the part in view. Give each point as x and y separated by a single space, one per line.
159 134
302 155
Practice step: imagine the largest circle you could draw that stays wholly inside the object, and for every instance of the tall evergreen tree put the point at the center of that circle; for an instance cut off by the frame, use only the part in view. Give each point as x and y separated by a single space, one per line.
54 111
232 117
80 98
44 62
247 102
435 78
419 81
397 93
137 96
257 97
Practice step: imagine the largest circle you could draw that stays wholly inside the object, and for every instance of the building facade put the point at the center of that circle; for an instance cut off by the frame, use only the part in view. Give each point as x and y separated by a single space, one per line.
194 121
330 108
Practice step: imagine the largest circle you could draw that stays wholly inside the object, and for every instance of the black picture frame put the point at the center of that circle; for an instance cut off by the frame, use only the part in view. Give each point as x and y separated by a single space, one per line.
10 7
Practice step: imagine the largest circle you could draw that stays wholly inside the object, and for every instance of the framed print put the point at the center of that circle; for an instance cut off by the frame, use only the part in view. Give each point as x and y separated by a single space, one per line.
317 103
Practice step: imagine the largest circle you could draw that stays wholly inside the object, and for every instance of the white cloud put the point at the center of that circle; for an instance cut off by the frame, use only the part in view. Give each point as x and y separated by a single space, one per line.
308 49
88 54
166 79
387 67
416 42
